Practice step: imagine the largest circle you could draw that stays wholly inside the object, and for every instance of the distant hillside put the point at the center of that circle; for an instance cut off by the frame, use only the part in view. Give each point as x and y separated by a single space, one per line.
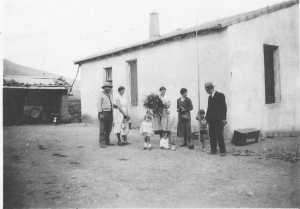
11 68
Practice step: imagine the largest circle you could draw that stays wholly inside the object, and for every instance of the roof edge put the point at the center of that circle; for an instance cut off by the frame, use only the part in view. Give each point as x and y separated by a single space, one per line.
214 26
152 42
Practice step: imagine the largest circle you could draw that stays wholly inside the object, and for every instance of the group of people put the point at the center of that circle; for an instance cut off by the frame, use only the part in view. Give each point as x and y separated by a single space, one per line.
211 123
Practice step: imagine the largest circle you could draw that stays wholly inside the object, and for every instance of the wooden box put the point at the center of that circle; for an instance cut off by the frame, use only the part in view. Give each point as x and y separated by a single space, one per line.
243 137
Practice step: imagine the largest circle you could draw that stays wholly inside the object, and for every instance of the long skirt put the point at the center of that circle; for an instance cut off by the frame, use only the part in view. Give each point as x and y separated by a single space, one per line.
184 128
162 122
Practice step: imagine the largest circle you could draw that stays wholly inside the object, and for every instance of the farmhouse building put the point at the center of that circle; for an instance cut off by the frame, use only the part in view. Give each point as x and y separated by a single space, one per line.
251 57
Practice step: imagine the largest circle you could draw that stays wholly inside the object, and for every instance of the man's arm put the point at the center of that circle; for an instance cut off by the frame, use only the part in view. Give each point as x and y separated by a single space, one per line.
223 107
100 110
207 111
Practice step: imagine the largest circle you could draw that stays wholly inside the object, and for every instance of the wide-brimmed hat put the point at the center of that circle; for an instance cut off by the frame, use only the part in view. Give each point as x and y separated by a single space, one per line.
107 84
209 85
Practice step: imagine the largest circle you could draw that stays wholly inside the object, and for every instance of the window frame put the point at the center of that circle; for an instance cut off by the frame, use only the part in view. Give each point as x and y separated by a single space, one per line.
107 72
276 73
133 101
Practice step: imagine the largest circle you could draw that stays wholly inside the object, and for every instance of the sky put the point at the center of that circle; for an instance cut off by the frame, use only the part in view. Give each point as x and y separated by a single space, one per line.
50 34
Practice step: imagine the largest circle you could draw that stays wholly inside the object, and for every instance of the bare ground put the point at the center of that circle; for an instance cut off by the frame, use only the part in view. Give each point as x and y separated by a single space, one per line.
62 166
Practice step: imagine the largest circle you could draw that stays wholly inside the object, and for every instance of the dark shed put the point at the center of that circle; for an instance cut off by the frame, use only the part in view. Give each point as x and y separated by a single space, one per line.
30 95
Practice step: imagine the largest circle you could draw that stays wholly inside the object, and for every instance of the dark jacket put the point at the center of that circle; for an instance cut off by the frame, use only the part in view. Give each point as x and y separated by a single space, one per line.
184 108
216 108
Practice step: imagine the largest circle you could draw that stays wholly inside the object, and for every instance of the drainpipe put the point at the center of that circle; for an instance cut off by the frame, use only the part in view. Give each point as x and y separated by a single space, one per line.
198 82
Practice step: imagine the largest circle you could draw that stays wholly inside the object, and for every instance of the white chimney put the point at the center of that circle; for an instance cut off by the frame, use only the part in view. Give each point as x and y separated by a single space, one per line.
154 25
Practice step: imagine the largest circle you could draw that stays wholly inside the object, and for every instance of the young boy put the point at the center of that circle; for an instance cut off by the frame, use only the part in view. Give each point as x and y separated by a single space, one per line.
203 125
125 129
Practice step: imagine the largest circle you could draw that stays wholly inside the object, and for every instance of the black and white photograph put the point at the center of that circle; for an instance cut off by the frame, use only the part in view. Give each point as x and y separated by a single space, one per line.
150 104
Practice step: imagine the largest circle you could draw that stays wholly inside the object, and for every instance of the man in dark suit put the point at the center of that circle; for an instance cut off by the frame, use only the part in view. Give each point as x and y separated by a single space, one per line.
216 118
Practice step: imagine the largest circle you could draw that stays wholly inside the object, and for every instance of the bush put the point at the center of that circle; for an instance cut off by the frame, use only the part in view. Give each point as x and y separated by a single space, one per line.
154 103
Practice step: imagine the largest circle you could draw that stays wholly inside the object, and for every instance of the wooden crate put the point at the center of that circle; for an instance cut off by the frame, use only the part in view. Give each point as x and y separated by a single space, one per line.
243 137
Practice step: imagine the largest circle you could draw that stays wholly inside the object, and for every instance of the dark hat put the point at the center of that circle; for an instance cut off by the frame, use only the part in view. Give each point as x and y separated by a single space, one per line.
209 85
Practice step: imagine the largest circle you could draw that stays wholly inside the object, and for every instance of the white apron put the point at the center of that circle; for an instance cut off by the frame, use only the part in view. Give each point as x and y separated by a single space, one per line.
121 101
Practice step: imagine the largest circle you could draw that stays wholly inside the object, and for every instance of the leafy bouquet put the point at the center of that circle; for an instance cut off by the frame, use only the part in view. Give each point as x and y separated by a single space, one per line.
154 103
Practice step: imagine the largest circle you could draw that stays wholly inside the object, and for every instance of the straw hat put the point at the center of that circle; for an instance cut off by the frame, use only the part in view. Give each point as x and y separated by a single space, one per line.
107 84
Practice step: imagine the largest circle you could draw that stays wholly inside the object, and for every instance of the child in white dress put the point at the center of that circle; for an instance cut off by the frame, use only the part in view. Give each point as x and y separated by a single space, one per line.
146 130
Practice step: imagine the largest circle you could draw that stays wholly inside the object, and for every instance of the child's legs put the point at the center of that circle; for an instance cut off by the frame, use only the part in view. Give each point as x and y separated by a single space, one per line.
147 139
124 137
202 138
171 140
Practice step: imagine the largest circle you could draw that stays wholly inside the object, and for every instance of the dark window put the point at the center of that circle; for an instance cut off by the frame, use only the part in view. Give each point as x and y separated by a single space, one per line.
108 74
271 65
133 82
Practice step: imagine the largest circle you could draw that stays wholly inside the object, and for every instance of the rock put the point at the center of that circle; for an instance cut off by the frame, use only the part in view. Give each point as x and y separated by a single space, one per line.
74 163
123 159
59 155
249 193
41 147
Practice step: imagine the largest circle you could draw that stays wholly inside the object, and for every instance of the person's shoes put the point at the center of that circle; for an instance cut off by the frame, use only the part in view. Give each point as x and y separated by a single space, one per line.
125 143
149 146
183 145
145 146
191 146
103 146
109 144
173 147
212 152
223 154
120 143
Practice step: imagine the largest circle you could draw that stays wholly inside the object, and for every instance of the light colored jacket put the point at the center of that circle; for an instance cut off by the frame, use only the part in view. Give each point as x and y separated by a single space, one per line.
105 102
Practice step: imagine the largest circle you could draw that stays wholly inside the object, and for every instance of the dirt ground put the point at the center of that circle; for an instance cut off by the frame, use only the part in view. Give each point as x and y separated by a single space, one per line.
63 166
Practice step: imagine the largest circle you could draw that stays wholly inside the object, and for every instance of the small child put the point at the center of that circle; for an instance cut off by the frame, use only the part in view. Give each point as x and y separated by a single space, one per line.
164 141
125 129
203 125
146 130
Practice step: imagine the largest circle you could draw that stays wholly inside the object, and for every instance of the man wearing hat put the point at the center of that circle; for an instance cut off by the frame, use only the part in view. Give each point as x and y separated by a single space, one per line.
216 118
105 114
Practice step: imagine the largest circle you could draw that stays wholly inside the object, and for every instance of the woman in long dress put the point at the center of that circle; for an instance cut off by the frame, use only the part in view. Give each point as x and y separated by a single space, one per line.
121 117
184 106
161 122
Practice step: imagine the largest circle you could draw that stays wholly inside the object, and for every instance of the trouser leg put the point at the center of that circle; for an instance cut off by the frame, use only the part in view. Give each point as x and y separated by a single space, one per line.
101 132
108 128
202 139
107 125
212 137
220 136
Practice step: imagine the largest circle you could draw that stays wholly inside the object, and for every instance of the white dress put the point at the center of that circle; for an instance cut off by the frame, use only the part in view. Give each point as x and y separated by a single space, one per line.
121 101
162 123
